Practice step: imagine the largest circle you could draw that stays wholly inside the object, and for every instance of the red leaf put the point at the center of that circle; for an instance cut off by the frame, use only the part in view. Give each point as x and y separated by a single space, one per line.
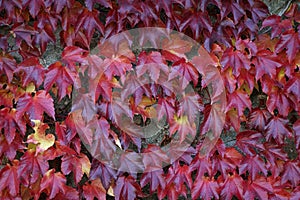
186 71
278 99
248 141
62 77
254 165
289 40
278 129
89 21
189 106
233 186
236 60
93 190
8 66
153 63
202 165
34 6
293 86
265 63
24 32
9 178
227 162
102 171
205 188
166 107
180 177
296 127
183 126
35 106
239 100
72 54
32 165
10 150
291 173
77 164
156 178
232 7
258 188
53 184
10 124
277 25
258 119
33 70
154 157
127 188
90 3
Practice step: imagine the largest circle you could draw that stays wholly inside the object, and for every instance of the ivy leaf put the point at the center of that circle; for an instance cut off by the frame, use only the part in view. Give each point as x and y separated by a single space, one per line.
179 176
127 188
296 128
254 165
202 165
153 63
77 164
24 33
33 70
89 22
248 141
166 107
34 6
102 171
36 105
239 100
291 173
8 65
186 71
183 126
265 63
205 188
232 7
259 118
10 124
32 165
156 178
278 129
196 21
53 183
278 99
277 25
154 157
90 3
10 150
94 189
227 162
293 86
258 188
232 186
40 138
189 106
62 77
9 178
289 40
236 60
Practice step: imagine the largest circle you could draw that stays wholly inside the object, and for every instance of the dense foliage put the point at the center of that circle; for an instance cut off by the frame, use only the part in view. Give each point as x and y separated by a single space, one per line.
257 54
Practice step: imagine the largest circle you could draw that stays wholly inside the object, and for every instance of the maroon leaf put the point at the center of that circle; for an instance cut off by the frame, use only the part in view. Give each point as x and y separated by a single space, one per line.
233 186
289 40
291 173
258 188
93 190
127 188
254 165
8 66
35 106
278 129
62 77
205 188
9 178
33 71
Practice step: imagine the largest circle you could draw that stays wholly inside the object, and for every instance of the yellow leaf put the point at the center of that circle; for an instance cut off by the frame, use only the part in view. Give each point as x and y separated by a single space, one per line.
42 141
